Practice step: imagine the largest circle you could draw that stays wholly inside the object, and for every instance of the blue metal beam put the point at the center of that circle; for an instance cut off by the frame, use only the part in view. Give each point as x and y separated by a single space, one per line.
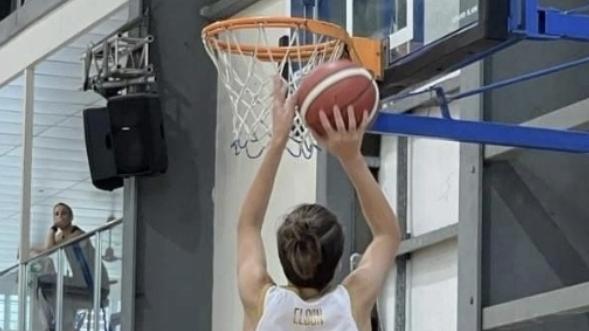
566 25
528 20
536 22
532 17
482 132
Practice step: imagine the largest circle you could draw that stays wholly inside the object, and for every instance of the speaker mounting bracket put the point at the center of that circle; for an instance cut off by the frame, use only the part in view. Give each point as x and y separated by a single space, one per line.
120 63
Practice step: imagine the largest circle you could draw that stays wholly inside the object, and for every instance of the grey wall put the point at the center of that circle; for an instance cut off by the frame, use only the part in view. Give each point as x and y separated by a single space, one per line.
535 208
175 211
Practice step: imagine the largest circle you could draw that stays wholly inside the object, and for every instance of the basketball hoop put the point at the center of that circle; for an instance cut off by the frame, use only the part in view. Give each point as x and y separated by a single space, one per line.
247 57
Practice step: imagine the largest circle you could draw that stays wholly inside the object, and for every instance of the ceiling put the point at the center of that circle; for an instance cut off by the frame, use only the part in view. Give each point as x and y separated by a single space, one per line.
60 166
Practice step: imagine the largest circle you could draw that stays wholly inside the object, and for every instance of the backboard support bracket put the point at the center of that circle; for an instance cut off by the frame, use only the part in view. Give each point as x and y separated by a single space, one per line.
370 53
530 21
527 21
482 132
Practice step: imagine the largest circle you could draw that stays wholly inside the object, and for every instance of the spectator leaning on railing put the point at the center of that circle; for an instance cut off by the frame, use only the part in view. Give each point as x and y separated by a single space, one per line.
63 228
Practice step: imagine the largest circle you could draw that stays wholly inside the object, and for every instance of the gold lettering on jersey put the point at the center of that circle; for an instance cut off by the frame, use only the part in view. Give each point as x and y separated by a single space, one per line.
308 317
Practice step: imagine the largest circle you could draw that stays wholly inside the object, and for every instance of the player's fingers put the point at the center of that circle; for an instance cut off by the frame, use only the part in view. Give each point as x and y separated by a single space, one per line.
291 102
279 90
365 120
351 119
339 120
325 123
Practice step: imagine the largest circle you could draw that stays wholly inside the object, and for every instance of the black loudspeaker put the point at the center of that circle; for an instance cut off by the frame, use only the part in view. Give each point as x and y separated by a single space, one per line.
103 168
132 144
138 134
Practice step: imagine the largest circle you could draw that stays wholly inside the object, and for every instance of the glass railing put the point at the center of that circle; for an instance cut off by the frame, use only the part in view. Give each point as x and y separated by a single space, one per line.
9 299
69 287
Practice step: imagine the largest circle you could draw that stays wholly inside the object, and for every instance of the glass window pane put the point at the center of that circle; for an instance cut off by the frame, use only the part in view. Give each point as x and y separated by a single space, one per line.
9 299
411 24
11 136
61 171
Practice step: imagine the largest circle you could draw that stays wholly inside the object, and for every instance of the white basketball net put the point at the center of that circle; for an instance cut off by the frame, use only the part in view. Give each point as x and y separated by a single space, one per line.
246 68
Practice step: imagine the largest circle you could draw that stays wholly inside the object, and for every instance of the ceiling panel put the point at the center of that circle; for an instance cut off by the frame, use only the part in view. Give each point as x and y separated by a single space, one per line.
47 197
63 133
15 171
10 116
44 162
10 138
53 82
58 155
87 40
40 119
68 54
5 148
44 107
10 129
51 95
63 69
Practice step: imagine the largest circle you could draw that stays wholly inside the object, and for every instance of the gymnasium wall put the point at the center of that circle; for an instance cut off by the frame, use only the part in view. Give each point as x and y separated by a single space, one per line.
534 203
175 211
432 203
295 184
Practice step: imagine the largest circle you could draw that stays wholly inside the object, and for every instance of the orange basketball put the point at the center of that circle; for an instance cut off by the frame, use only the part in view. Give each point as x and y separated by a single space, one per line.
342 83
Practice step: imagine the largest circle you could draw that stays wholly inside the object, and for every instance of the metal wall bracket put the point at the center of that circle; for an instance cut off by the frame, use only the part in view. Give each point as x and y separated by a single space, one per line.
120 63
527 20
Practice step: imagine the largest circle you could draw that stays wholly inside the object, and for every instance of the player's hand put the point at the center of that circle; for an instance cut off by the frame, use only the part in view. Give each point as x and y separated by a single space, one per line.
341 142
283 110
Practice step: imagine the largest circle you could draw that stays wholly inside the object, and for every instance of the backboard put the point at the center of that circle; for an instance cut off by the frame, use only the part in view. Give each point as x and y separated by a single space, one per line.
423 38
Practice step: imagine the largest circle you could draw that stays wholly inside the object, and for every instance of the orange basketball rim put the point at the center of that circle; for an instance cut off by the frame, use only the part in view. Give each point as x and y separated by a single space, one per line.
249 51
363 51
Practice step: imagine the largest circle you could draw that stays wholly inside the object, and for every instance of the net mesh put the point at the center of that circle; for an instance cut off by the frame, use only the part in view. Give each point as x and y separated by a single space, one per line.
247 59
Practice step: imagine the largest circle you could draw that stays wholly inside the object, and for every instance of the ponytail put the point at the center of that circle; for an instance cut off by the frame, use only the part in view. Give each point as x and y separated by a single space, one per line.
303 249
310 245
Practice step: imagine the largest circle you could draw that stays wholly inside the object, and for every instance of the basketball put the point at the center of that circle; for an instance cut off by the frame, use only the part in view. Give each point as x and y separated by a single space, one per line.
342 83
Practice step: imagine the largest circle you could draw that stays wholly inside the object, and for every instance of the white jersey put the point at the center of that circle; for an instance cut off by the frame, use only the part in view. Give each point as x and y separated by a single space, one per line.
284 310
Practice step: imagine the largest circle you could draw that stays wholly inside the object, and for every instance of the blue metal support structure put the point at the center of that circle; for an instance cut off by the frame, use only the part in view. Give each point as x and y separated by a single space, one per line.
527 21
565 25
483 132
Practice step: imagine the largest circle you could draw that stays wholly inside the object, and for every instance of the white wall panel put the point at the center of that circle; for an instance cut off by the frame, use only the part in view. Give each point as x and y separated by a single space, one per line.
431 296
432 288
295 184
433 183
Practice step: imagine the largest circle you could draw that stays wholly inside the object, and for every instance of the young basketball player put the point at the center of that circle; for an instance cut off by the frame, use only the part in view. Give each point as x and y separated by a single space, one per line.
310 241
